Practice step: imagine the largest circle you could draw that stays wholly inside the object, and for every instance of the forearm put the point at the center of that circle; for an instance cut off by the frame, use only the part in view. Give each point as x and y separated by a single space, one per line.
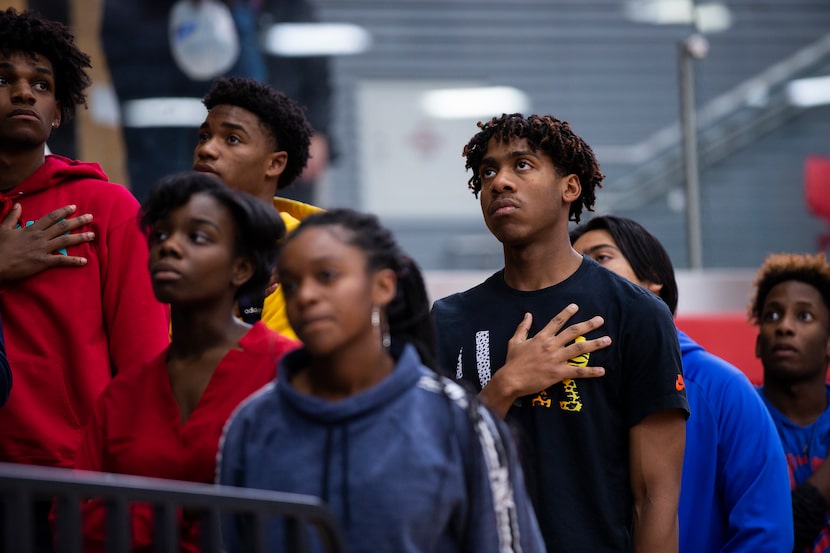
657 445
656 529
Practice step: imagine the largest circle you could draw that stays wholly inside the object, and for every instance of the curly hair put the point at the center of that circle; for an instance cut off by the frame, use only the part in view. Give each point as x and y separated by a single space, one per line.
258 228
408 313
27 32
569 153
777 268
282 117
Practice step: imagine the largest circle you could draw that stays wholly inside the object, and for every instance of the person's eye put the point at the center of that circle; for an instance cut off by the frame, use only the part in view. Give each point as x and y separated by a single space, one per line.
487 173
233 139
602 258
806 316
203 137
770 316
156 236
200 238
289 287
328 276
523 164
43 86
3 80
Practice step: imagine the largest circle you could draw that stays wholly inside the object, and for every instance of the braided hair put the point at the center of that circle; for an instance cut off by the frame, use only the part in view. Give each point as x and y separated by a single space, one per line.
408 312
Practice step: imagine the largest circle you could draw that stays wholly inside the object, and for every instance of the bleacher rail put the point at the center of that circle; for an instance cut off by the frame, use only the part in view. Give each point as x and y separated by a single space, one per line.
21 485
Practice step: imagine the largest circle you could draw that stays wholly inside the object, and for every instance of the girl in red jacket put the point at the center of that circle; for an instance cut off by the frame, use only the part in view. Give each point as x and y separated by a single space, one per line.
208 245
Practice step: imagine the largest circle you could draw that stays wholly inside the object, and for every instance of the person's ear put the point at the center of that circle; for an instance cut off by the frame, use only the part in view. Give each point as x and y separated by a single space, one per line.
384 286
243 270
276 164
572 188
653 287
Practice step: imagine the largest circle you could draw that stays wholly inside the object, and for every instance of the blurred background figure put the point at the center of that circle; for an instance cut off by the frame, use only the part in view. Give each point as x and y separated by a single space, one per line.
159 96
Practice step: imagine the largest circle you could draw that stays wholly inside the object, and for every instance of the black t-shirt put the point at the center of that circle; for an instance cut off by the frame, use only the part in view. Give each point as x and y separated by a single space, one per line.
573 436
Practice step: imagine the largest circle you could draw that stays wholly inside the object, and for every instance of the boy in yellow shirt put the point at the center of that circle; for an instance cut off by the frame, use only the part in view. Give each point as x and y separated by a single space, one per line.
256 139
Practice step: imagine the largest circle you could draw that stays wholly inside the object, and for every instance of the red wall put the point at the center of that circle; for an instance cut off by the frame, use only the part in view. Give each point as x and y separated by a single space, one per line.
727 335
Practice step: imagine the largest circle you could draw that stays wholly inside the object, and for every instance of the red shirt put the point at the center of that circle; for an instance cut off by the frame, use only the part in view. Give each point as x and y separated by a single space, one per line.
136 427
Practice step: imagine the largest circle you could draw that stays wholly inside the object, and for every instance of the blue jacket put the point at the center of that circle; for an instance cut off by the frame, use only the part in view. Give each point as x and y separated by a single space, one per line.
5 371
735 493
405 466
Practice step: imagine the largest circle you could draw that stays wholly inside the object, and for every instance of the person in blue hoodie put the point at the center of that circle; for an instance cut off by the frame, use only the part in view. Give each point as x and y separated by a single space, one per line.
735 491
407 461
5 370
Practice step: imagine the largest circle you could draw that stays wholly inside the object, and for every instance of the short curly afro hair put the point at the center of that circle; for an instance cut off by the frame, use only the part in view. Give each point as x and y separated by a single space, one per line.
569 153
282 118
27 32
777 268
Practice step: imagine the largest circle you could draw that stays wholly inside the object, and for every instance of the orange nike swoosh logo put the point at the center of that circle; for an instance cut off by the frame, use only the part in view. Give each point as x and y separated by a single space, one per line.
679 383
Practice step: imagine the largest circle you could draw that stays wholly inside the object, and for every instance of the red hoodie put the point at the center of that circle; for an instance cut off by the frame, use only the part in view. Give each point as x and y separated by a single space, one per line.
69 329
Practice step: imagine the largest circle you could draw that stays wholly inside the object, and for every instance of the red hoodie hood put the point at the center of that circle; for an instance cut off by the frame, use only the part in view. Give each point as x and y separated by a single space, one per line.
55 171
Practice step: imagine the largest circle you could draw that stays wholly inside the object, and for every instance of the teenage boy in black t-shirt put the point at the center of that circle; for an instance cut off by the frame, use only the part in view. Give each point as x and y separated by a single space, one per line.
604 455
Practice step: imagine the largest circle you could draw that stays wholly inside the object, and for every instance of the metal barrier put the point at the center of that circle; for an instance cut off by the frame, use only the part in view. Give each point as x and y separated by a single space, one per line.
22 485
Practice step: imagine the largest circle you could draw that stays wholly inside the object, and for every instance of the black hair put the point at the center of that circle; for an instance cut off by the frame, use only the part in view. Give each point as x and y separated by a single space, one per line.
258 227
408 313
283 118
783 267
27 32
570 153
648 258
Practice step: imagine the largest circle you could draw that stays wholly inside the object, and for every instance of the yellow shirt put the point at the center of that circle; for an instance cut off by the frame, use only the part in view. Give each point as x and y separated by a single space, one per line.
273 309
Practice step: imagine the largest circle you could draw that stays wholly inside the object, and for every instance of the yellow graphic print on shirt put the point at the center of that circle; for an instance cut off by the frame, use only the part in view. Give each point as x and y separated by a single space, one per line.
571 401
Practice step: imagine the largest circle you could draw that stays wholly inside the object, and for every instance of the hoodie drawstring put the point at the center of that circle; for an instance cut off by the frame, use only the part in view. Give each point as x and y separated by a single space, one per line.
344 467
326 469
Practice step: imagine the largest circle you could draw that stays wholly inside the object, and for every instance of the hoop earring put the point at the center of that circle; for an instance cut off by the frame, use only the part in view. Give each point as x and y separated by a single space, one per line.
382 326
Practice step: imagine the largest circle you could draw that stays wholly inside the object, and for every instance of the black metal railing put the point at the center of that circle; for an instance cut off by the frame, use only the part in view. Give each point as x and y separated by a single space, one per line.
22 485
